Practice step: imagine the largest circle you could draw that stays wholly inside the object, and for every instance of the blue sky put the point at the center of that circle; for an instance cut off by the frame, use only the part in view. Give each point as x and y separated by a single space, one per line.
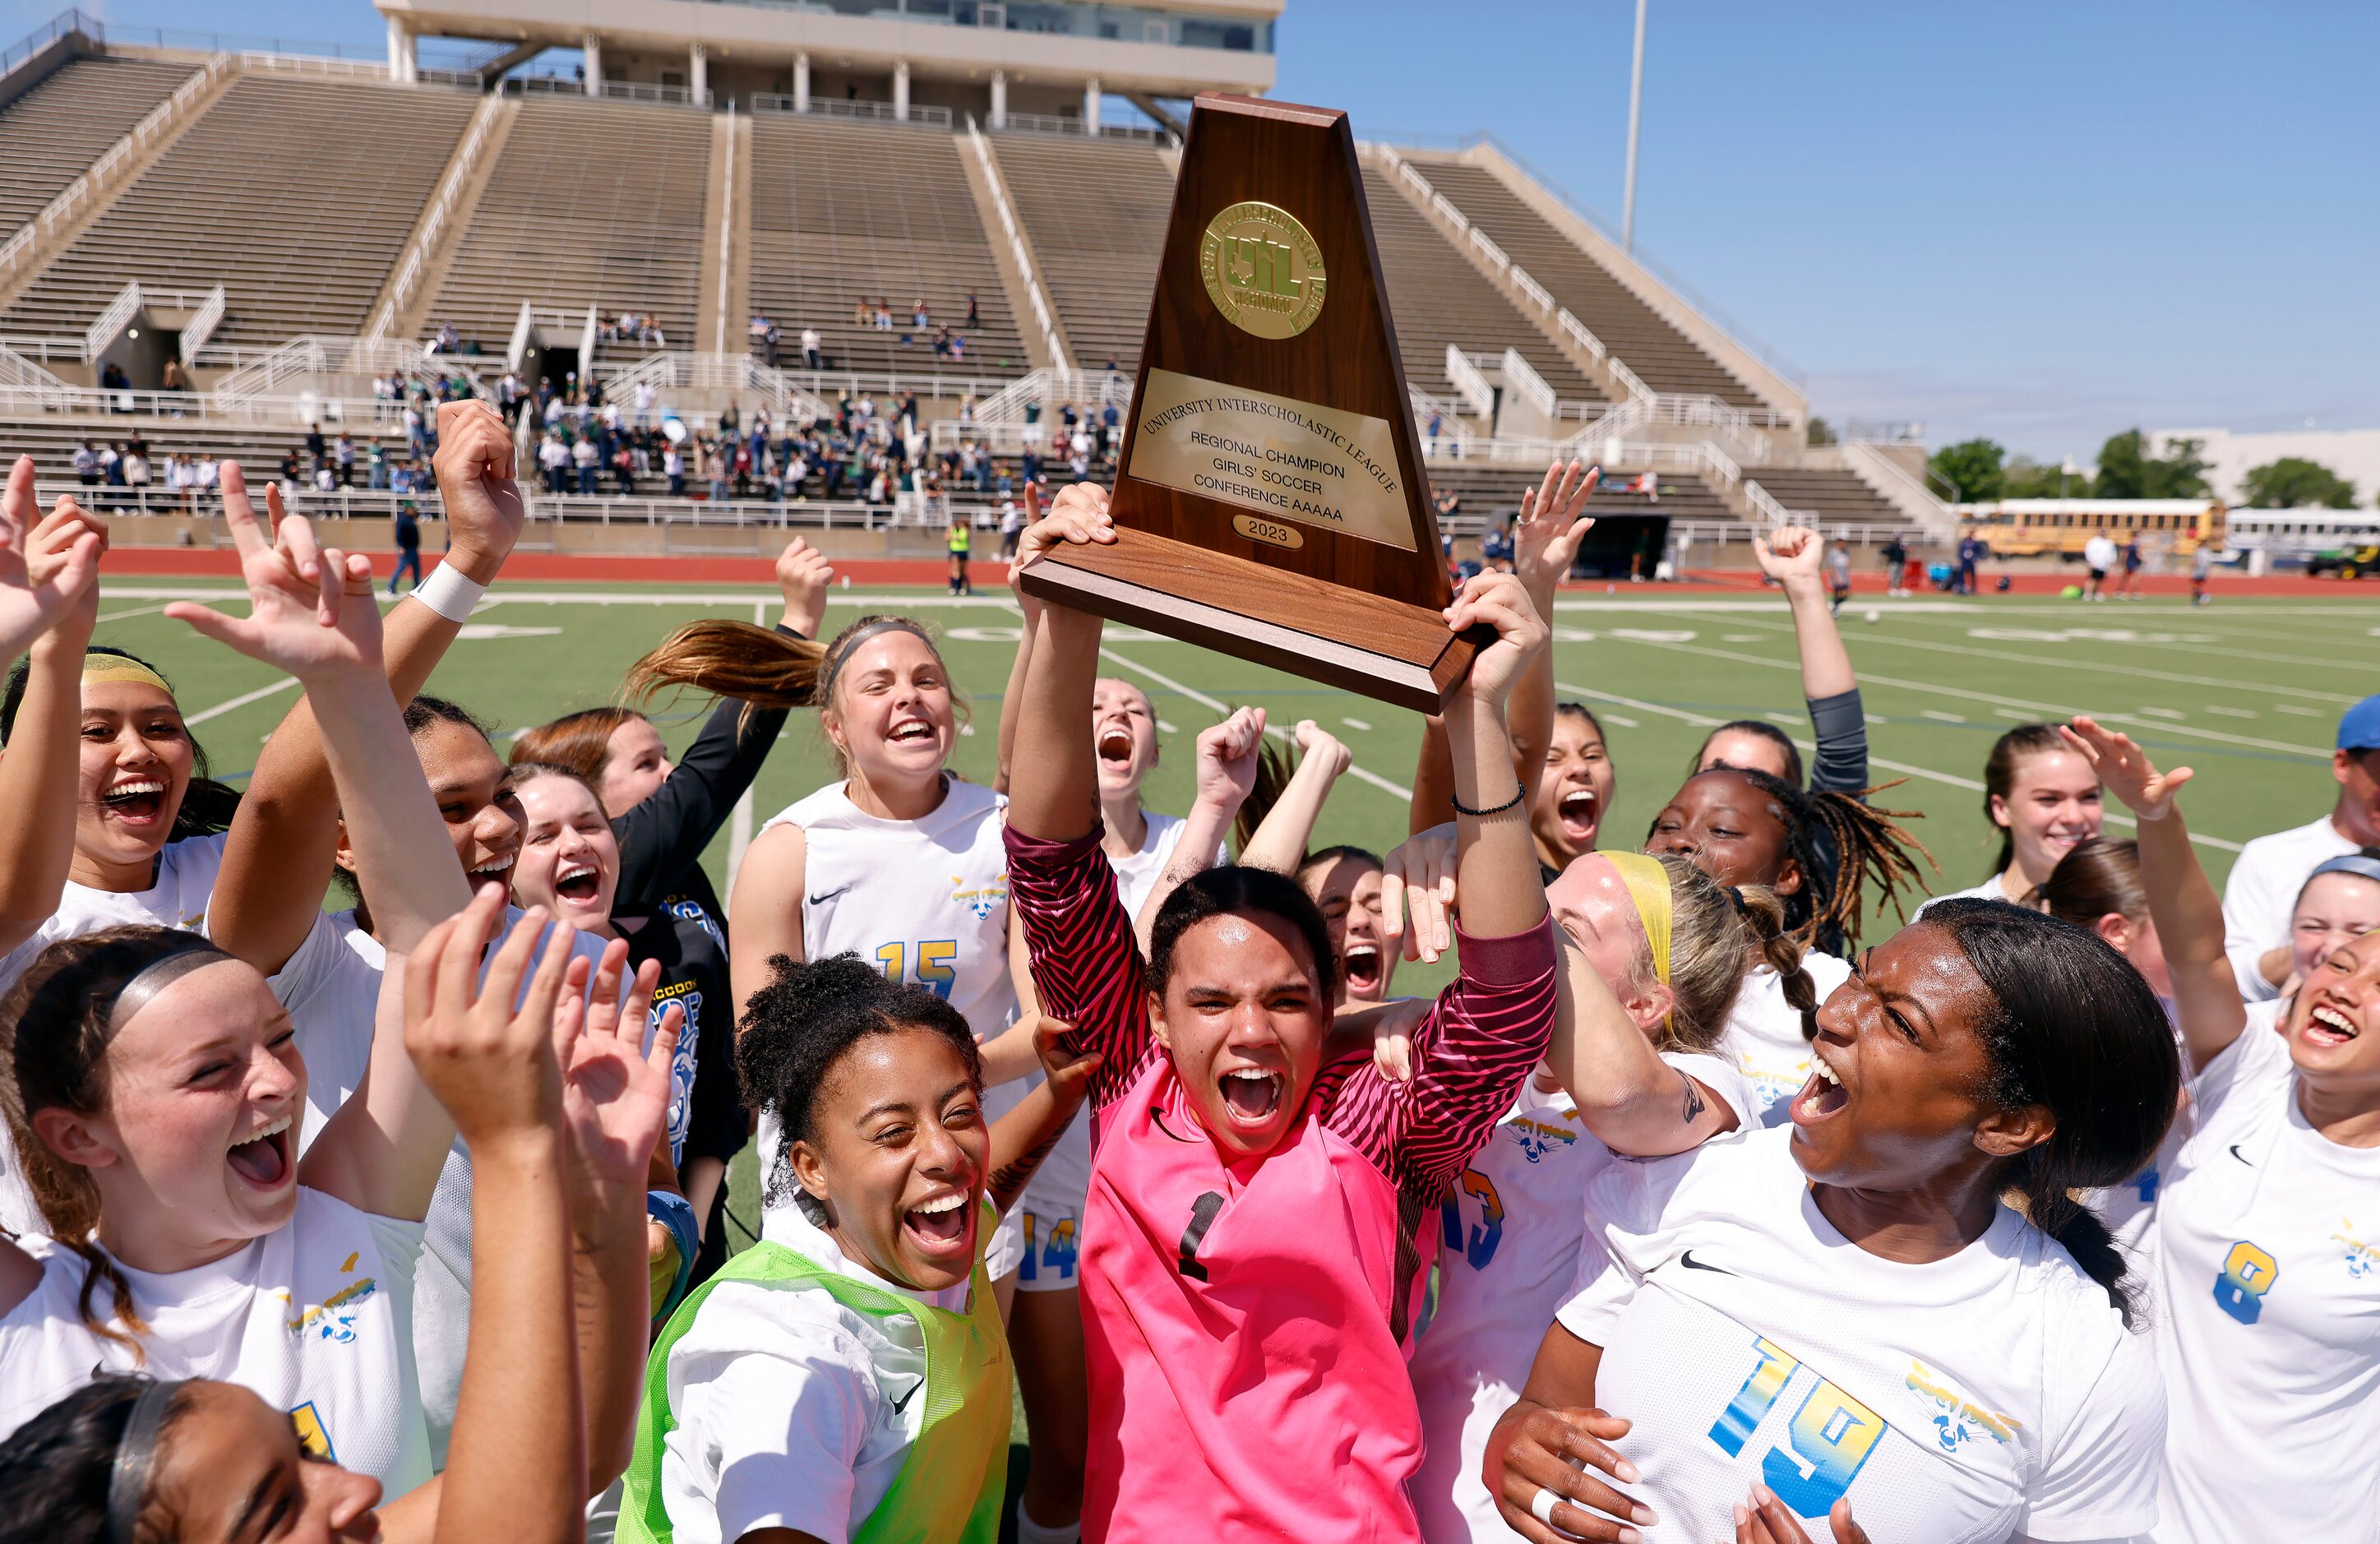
2044 223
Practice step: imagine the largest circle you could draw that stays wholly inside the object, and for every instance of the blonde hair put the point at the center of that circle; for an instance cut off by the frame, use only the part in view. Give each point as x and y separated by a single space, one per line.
1716 935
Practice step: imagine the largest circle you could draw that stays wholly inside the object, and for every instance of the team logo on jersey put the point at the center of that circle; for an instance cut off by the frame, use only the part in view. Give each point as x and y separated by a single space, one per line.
682 1060
334 1318
2363 1258
983 899
696 913
1957 1419
312 1440
1538 1138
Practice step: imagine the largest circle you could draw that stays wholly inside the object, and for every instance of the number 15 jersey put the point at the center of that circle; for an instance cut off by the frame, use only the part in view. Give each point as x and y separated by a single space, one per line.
1991 1395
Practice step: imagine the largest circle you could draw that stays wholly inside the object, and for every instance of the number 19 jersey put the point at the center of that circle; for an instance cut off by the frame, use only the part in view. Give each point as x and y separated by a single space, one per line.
1991 1395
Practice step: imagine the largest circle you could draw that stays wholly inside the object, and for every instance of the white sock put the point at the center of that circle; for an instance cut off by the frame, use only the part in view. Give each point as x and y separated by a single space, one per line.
1030 1532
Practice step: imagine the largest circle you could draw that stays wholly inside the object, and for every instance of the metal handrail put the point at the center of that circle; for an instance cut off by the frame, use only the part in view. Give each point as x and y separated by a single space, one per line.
425 246
1016 246
58 26
1470 381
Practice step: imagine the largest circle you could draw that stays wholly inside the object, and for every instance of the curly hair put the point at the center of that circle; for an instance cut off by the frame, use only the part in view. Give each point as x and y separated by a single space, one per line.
798 1029
1875 848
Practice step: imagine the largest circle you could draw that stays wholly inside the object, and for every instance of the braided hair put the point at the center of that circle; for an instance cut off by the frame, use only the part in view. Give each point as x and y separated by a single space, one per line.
1872 847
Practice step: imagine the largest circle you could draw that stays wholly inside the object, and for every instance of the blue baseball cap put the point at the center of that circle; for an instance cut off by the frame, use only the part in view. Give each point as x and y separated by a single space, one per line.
2359 727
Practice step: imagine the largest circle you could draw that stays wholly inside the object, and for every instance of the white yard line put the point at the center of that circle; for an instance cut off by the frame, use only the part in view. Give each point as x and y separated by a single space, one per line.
242 700
137 611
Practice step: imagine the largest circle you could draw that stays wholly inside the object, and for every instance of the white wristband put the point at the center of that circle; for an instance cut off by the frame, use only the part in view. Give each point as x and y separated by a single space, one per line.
450 593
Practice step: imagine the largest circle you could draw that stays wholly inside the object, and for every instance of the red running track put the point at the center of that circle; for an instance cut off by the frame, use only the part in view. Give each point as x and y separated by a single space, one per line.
991 574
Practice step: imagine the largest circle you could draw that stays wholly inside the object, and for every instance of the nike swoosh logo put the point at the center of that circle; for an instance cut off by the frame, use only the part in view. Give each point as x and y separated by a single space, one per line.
821 900
2236 1153
1159 1117
903 1403
1688 1260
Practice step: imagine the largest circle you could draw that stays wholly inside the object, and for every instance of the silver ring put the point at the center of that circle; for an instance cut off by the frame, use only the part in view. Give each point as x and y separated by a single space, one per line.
1542 1506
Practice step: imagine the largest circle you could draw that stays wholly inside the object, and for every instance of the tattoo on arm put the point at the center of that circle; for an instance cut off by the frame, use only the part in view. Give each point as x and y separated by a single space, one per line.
1694 1105
1009 1180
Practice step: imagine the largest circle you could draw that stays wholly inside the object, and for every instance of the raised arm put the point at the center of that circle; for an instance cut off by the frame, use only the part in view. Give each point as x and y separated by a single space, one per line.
1227 762
1545 544
277 862
1022 1137
49 603
381 1151
1280 842
1054 792
1497 865
1792 555
2182 902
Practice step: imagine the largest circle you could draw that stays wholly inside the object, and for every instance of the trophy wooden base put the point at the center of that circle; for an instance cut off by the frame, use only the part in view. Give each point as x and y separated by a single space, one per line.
1401 654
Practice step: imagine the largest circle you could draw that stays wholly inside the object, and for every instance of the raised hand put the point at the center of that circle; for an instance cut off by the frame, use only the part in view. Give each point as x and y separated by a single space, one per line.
615 1090
49 569
311 612
484 508
490 1064
1789 554
1497 600
803 577
1079 515
1417 894
1227 760
1546 537
1318 744
1069 1071
2125 768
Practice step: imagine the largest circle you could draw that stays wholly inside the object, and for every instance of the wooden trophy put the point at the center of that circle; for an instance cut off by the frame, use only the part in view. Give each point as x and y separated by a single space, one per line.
1270 502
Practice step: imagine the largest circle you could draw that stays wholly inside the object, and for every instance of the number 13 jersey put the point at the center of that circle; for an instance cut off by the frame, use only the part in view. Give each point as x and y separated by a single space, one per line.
1991 1395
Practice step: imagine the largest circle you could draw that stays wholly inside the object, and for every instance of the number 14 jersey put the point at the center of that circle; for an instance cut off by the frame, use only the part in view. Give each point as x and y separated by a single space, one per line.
1991 1395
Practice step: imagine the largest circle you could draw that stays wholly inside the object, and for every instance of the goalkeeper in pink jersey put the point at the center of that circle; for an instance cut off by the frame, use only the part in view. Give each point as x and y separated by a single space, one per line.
1251 1270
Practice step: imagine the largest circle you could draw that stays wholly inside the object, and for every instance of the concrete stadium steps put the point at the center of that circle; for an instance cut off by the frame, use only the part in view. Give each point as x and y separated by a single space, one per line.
1489 492
1663 357
591 203
1094 214
1438 297
1835 497
842 210
294 194
51 134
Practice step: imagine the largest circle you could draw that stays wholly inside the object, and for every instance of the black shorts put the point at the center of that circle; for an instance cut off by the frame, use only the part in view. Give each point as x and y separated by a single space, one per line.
2098 576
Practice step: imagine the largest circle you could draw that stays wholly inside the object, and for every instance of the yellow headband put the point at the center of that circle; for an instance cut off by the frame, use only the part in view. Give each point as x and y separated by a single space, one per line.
1648 887
117 667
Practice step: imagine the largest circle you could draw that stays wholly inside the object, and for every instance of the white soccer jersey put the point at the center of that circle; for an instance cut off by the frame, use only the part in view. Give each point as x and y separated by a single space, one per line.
924 899
315 1318
1991 1395
2128 1210
2269 1315
1136 876
331 988
185 881
1510 1246
1764 1034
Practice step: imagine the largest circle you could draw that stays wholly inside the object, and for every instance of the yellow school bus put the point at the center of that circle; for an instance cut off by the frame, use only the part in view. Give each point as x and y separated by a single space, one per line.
2058 527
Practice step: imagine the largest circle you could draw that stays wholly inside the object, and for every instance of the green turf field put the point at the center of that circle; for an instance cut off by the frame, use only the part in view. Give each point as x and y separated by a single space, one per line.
2249 693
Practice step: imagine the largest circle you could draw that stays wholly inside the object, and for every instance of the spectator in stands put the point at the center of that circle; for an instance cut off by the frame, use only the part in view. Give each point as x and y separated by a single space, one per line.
585 461
508 396
113 379
920 316
86 465
209 473
973 317
553 455
958 345
345 451
883 314
715 471
136 477
674 467
173 381
449 341
813 355
1496 546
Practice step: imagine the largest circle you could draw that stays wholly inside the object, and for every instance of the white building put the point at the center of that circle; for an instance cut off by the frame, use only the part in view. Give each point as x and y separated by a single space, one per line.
1053 60
2353 454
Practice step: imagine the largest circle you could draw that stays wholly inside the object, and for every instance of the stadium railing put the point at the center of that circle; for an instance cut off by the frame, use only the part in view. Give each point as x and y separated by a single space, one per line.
58 26
425 245
912 510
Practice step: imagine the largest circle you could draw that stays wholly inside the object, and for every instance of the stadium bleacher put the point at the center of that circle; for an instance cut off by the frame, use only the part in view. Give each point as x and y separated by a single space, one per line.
273 192
51 134
1438 299
1835 497
591 203
1095 212
1663 357
840 211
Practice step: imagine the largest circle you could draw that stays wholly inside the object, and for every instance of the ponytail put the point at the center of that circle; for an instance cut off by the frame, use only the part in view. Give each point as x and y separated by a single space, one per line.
758 666
1783 953
1871 846
1273 772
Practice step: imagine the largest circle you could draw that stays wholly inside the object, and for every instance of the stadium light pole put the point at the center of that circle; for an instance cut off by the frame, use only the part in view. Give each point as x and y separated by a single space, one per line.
1636 111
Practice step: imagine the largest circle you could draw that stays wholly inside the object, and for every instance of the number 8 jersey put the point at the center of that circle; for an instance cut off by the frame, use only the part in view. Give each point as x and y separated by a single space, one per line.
1991 1395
